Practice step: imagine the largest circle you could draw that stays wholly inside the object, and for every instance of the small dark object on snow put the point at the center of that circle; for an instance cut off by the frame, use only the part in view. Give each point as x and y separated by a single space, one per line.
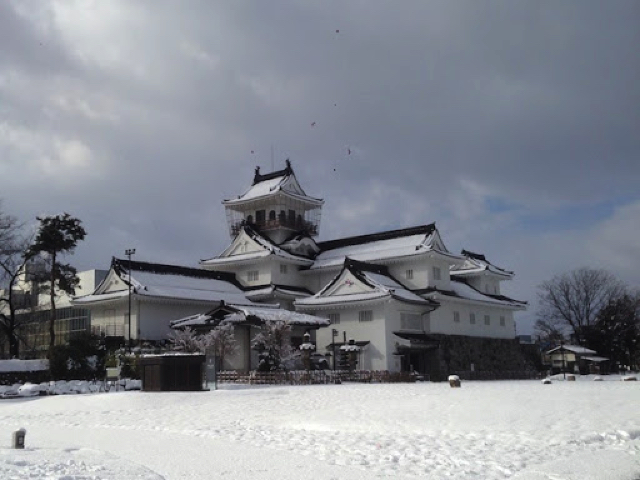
18 438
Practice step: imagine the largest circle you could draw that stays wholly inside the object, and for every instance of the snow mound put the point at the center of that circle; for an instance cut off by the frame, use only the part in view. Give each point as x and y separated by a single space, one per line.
70 464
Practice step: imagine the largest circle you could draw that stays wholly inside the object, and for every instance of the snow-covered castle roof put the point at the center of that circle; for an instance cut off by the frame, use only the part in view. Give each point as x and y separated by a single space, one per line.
161 281
361 282
476 263
377 247
281 181
234 314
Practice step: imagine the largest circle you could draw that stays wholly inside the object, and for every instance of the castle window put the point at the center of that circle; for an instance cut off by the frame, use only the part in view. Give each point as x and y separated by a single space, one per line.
487 320
253 275
292 217
436 273
249 218
260 217
502 322
456 317
272 215
282 216
283 269
365 315
409 274
334 318
472 318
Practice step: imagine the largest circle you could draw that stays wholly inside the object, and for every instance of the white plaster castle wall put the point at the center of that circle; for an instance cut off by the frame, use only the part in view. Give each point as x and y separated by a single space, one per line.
442 320
484 283
292 277
394 311
264 274
375 355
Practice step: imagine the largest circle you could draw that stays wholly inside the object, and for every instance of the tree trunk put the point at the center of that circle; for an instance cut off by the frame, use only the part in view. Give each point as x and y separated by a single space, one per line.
52 293
14 344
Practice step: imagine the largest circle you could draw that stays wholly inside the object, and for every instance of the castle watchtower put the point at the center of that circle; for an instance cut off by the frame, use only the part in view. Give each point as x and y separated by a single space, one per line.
276 205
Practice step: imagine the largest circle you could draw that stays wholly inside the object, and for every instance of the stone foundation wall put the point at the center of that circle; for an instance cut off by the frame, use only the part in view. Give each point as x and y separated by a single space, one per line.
475 358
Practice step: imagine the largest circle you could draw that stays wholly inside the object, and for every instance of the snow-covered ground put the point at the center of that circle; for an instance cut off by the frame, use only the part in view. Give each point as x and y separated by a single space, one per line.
583 430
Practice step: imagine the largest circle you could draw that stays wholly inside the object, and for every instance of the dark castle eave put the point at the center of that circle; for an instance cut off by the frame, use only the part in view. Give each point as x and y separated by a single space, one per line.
375 237
122 266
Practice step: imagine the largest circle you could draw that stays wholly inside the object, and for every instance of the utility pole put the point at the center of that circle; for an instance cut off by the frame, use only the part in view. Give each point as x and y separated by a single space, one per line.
129 252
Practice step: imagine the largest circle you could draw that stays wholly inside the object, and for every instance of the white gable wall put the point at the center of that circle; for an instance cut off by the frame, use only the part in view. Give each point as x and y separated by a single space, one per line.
113 283
316 280
422 270
484 283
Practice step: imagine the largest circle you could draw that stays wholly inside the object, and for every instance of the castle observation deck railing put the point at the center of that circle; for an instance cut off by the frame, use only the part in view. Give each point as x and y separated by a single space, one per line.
266 225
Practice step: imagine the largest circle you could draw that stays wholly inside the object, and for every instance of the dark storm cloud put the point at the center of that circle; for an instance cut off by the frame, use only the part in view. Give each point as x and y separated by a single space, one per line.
141 117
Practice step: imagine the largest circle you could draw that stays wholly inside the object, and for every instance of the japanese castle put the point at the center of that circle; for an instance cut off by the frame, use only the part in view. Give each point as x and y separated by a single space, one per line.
400 295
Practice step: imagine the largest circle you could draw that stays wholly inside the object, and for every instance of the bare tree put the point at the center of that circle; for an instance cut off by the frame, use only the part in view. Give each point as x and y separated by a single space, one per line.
222 341
185 340
550 331
14 256
573 300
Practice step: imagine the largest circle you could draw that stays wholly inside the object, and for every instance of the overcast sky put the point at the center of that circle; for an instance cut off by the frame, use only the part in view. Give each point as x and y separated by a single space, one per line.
515 126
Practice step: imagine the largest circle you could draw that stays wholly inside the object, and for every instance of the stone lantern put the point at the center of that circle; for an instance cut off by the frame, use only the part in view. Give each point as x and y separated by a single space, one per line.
306 348
351 351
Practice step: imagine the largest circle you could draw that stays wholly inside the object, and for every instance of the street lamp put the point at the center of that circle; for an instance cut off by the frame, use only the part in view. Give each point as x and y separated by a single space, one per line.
564 375
128 252
334 334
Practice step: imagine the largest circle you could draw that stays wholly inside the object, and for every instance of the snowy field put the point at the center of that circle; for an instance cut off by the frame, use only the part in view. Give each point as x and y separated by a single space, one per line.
523 430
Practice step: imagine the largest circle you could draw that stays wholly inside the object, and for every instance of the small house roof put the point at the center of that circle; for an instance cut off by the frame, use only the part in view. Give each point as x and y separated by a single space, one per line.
577 349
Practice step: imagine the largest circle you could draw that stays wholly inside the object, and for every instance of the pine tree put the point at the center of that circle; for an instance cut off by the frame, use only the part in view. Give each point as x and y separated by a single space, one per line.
57 236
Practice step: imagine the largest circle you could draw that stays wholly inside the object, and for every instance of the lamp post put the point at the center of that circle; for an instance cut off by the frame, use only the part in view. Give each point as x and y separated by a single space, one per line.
128 252
334 334
564 375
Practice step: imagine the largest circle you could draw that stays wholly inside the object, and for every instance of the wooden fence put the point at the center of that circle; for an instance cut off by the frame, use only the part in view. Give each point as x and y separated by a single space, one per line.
303 377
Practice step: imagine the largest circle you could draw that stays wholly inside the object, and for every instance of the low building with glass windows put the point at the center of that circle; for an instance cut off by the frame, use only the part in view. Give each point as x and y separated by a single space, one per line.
34 313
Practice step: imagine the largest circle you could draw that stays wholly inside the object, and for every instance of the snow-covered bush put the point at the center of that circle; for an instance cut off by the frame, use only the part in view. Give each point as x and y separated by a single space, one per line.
185 340
273 344
220 341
